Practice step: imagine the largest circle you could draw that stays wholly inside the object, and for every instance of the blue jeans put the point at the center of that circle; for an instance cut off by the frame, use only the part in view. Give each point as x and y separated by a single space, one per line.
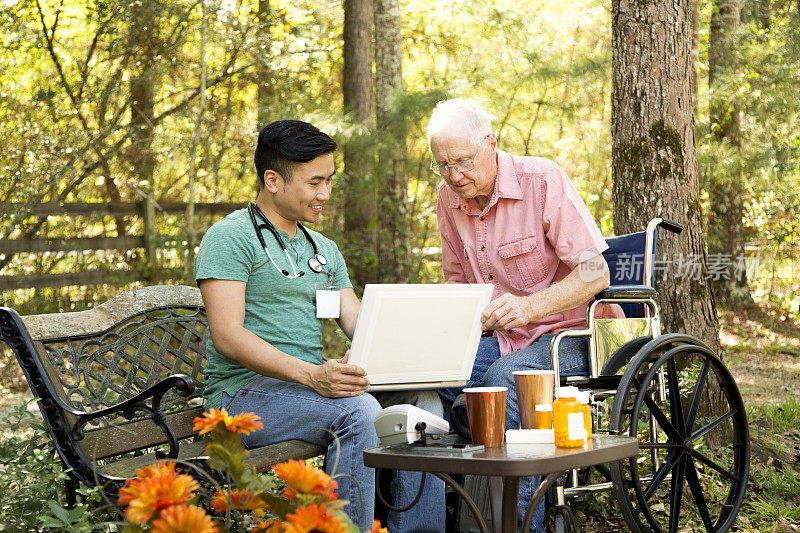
429 514
491 370
293 411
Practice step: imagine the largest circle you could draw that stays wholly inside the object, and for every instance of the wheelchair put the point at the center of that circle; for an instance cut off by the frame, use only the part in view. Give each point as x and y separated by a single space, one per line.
668 390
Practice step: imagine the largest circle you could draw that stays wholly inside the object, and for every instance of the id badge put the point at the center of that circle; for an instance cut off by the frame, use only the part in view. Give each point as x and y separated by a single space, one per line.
327 300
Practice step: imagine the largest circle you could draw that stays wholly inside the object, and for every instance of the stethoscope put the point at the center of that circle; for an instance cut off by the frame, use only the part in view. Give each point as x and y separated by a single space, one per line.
315 263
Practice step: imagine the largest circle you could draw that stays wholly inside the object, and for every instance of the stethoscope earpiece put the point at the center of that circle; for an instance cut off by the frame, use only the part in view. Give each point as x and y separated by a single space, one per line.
315 263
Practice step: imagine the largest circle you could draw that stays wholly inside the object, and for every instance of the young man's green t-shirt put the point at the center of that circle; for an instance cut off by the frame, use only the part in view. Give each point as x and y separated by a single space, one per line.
281 311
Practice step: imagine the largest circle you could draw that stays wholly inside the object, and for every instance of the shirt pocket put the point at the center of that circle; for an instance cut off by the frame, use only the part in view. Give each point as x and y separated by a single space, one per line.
523 262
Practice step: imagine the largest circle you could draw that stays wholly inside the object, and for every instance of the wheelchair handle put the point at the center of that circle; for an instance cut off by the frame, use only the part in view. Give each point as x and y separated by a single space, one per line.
669 225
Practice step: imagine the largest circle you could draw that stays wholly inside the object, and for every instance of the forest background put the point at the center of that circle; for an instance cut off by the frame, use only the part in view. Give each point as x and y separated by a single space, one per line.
160 102
149 111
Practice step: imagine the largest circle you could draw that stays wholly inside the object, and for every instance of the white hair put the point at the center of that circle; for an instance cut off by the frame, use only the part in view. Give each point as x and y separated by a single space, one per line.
460 113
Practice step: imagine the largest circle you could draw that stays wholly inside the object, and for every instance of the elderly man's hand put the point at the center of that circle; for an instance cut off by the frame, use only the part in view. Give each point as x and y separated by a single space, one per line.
509 312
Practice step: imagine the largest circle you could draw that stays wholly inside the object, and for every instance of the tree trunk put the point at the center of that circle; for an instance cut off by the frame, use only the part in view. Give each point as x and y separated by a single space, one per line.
726 181
143 35
765 13
113 196
265 93
393 205
359 196
191 232
653 152
695 52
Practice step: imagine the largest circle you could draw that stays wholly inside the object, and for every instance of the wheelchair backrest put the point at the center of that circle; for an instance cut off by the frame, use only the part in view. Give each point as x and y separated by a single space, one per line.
629 264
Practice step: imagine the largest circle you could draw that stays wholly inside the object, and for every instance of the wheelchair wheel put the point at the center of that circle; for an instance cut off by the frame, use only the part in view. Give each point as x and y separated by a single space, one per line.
691 472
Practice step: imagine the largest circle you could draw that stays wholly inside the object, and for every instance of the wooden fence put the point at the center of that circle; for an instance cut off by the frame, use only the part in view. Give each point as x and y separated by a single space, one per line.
149 241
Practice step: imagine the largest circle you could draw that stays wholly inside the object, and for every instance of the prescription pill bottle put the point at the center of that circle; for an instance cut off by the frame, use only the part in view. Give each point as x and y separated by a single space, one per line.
568 419
544 416
584 398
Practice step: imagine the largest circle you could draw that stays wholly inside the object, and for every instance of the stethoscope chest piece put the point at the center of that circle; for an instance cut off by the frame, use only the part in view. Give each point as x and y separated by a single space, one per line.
317 262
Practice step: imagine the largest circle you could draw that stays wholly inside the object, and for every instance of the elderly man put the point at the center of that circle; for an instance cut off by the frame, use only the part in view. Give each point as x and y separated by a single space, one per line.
519 224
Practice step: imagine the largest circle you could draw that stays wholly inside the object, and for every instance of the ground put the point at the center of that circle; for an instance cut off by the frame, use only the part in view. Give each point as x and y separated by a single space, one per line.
763 354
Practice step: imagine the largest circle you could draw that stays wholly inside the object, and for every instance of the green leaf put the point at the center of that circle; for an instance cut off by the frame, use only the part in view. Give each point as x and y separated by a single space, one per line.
59 512
278 505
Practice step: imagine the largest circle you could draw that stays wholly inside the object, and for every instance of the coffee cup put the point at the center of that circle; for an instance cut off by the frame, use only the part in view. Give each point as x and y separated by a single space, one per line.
486 410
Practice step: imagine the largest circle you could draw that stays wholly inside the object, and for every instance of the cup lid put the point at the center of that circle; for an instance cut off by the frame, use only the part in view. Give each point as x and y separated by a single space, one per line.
486 389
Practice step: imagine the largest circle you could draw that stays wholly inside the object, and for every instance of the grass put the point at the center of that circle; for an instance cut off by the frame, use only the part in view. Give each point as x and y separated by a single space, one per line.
774 497
783 349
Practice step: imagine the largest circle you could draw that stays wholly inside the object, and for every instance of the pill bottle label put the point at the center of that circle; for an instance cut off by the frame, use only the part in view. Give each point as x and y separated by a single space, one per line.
575 425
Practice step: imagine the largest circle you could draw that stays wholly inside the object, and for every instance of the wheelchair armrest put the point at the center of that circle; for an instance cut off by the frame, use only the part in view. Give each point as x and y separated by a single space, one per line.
627 292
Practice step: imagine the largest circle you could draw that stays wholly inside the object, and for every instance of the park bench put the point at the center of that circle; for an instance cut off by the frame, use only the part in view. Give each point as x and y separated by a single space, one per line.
120 385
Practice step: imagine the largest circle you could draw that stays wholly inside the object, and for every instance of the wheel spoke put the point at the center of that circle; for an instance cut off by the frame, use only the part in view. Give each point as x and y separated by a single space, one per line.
697 395
675 406
700 433
662 419
660 475
712 464
697 492
658 445
676 492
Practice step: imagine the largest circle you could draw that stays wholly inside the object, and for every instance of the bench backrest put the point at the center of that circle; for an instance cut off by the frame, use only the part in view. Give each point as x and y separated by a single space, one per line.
94 359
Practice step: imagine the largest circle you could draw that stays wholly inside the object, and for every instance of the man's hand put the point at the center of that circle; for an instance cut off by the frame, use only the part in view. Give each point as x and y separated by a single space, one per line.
509 312
337 378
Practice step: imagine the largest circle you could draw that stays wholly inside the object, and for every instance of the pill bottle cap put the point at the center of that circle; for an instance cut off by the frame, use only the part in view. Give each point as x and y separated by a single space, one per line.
583 396
567 392
544 407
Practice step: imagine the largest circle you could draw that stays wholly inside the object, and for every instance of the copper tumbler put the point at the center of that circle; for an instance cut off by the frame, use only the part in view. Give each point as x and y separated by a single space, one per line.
534 387
486 410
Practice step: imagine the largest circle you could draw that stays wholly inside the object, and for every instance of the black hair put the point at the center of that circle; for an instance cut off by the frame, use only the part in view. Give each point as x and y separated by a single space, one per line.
285 143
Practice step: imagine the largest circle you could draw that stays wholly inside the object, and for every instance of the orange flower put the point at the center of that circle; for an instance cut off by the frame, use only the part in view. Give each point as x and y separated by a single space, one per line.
243 423
272 525
184 519
156 487
302 477
314 518
239 499
376 527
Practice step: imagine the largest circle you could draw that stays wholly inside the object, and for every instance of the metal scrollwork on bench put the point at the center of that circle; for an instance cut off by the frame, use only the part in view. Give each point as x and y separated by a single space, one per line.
99 371
118 382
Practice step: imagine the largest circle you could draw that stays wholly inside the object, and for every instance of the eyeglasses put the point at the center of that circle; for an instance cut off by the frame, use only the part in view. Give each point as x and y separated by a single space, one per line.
465 165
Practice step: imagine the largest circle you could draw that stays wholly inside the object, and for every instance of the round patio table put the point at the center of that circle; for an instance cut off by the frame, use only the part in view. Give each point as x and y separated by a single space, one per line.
504 466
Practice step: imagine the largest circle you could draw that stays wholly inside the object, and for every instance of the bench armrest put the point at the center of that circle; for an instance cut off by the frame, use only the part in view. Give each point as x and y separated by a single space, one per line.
627 292
183 386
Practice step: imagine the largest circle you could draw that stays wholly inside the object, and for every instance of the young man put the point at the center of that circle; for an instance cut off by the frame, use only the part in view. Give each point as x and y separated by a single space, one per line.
258 270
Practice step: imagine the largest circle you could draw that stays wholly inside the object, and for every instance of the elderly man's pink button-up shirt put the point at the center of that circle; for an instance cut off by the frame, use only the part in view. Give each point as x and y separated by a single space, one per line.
532 233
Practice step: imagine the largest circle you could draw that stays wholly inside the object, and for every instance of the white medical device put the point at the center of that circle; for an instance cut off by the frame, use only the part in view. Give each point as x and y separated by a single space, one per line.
404 423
